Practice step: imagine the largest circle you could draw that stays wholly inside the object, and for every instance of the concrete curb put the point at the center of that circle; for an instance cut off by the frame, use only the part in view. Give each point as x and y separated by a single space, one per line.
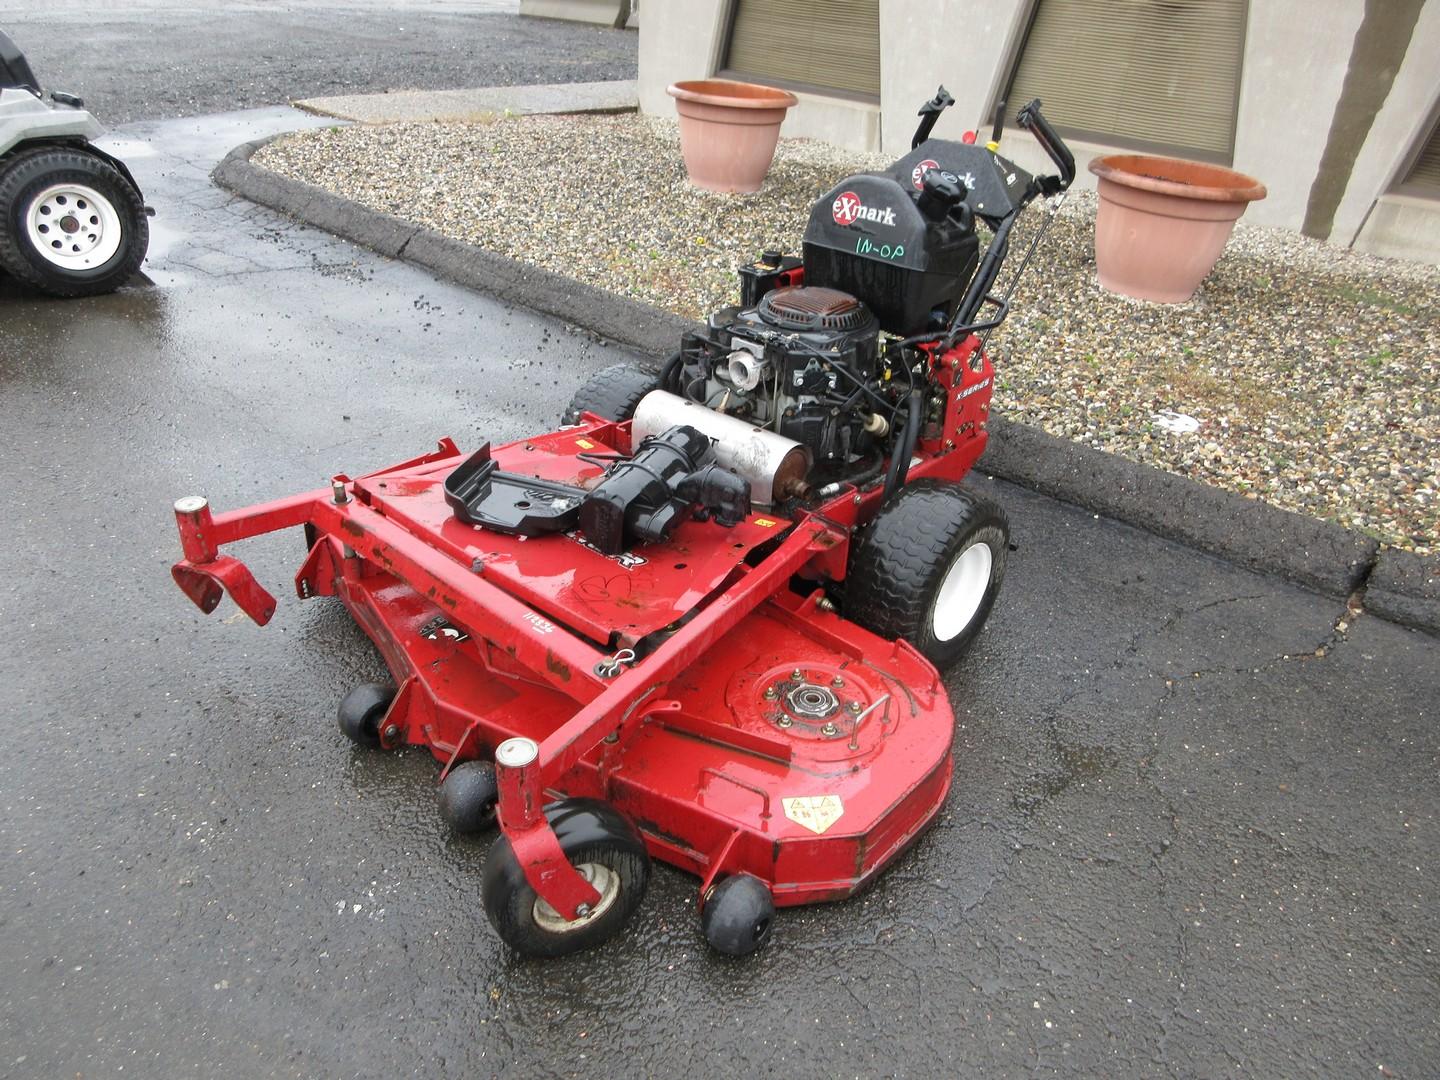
1319 555
1316 554
646 328
1405 588
429 106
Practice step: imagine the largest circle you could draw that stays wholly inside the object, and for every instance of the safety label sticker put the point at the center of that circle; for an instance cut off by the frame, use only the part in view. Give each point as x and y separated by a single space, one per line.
816 812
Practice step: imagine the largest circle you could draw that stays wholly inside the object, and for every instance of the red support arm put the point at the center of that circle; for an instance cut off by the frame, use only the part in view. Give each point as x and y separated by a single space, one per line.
564 660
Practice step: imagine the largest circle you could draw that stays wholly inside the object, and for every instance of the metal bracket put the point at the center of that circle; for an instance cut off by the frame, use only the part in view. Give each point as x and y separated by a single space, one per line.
613 665
207 582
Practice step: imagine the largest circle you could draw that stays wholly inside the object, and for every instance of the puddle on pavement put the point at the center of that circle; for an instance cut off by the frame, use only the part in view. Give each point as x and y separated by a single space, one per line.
1074 762
125 149
163 240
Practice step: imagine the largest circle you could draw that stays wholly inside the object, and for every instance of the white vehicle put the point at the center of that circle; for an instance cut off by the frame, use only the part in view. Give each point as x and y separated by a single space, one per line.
72 219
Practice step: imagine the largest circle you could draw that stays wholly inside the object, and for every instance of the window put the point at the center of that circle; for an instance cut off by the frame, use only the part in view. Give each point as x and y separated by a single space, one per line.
1153 74
1424 176
828 44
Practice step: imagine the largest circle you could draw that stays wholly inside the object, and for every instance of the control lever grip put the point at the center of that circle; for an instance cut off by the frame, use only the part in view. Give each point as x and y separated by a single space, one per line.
929 113
1032 120
999 127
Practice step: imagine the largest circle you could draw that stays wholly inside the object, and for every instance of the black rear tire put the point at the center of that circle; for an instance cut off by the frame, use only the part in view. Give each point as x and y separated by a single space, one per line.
915 573
23 182
613 392
598 840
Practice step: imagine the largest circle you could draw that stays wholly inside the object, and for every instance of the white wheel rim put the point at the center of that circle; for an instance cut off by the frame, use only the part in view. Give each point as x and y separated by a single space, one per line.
962 591
604 880
73 227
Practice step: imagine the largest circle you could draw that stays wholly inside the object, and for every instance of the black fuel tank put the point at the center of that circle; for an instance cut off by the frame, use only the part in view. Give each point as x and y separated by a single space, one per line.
868 237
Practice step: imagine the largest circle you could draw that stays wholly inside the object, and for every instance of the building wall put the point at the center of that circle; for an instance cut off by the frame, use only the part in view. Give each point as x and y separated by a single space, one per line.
1296 56
601 12
1399 225
679 39
1290 80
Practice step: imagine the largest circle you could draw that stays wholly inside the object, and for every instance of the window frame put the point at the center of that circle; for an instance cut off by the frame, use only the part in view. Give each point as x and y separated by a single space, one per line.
1006 84
799 86
1402 184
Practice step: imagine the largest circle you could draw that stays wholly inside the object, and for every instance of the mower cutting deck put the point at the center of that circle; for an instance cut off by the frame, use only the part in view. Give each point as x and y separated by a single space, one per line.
630 638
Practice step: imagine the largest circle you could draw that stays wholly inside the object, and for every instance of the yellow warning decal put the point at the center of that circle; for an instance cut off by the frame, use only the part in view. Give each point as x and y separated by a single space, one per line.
766 523
585 444
816 812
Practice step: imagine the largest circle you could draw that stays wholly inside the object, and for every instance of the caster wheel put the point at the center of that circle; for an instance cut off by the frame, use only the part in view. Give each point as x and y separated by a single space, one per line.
361 711
738 916
468 797
603 846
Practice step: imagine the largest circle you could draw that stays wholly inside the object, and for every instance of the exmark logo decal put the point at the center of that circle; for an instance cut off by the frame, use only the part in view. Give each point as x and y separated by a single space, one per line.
848 209
917 175
626 560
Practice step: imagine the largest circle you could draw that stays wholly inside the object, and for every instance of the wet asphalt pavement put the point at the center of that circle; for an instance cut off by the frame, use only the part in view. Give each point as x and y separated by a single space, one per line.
148 59
1192 830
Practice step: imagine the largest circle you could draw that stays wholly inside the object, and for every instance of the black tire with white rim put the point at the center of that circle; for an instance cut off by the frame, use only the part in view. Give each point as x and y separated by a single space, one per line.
928 568
607 851
70 224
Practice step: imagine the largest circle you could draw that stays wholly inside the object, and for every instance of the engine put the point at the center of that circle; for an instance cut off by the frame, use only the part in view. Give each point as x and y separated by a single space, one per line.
884 253
801 362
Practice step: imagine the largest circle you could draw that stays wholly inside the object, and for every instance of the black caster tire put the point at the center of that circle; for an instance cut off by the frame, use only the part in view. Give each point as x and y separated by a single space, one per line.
613 392
599 842
70 224
928 568
361 711
738 916
468 797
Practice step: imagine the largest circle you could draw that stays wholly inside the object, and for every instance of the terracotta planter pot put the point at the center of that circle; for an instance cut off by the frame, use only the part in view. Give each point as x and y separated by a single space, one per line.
728 131
1163 222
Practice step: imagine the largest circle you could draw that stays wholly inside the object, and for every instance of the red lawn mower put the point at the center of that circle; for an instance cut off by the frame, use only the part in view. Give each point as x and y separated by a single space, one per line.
704 620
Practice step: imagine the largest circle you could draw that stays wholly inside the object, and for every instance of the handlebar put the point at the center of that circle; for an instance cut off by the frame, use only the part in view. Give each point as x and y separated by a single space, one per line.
999 127
1031 119
929 113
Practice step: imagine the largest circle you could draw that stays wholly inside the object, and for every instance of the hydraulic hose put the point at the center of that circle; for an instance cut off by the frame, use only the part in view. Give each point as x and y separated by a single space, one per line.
904 449
670 372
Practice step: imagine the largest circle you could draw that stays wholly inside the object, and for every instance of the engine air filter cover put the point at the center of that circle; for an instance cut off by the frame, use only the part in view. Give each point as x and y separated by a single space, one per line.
803 307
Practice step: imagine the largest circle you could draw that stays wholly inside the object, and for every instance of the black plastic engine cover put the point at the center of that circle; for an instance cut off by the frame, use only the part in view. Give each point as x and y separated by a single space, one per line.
995 185
640 499
481 494
867 237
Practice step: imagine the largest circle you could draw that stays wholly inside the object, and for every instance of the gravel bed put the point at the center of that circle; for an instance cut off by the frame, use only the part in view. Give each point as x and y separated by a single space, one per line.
1301 374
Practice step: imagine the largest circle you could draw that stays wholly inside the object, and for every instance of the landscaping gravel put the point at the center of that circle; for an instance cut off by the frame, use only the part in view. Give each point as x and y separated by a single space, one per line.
1301 374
